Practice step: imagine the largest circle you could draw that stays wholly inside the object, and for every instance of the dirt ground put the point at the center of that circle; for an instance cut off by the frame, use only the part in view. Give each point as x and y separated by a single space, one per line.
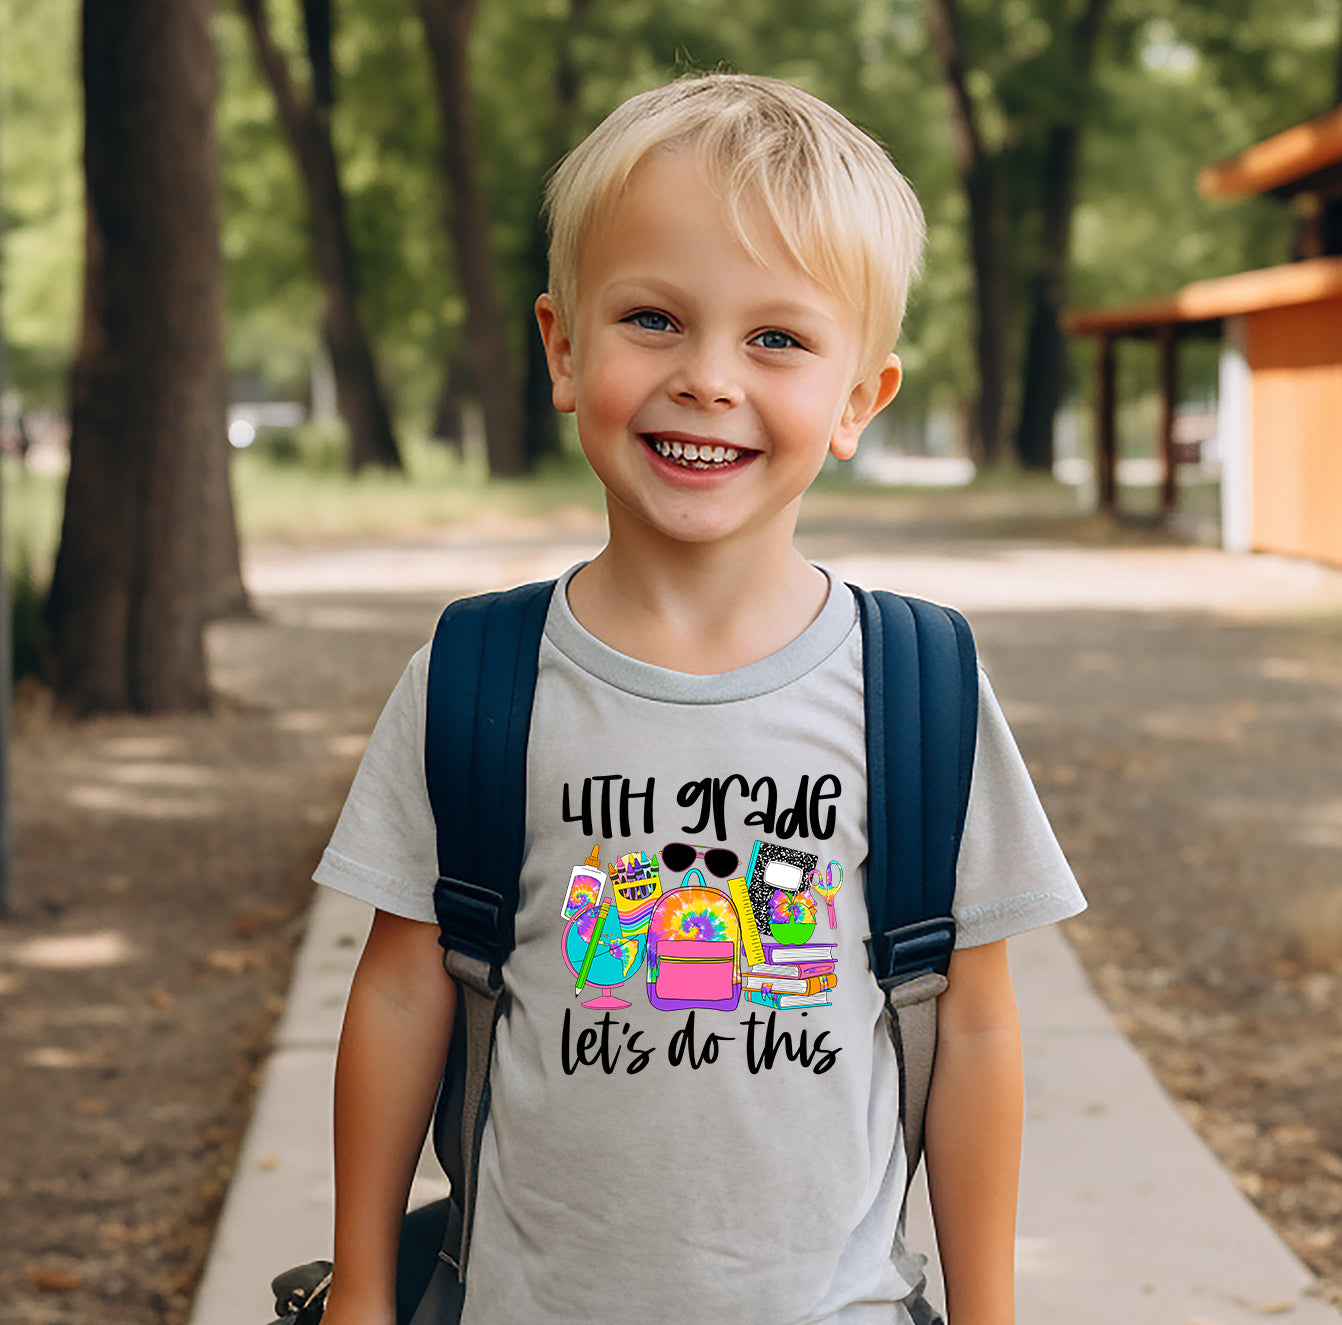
1189 760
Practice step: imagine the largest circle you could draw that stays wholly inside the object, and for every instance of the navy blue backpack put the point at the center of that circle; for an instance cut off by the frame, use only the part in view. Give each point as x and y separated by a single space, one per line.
921 684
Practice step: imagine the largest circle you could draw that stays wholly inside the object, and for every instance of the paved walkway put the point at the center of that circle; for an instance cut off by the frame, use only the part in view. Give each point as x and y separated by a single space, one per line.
1125 1214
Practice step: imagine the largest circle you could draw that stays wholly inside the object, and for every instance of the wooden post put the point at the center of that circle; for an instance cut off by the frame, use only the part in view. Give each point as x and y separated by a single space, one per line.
1167 341
1106 435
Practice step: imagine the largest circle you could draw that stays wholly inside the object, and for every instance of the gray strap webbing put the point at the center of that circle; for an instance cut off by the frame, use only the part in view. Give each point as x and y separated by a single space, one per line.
913 1028
912 1011
481 1007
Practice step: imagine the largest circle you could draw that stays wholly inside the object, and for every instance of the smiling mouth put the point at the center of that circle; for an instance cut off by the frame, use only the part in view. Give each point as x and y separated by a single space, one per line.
700 455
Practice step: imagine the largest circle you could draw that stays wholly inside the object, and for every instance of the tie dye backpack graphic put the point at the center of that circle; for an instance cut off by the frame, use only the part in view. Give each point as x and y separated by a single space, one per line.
694 948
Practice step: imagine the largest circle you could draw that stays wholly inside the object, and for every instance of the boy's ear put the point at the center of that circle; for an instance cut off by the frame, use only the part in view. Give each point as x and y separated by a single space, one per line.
867 399
558 354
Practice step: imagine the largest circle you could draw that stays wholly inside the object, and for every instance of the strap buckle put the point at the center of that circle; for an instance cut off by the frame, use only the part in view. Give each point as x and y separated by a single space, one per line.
901 955
470 921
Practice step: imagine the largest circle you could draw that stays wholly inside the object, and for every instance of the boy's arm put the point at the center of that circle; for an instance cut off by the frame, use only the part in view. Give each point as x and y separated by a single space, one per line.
393 1047
973 1136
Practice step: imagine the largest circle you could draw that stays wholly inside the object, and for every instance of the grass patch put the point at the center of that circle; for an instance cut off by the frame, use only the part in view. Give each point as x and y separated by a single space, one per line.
297 491
32 518
26 600
293 488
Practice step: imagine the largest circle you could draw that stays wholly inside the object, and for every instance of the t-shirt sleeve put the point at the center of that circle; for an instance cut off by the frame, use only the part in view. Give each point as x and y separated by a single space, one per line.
1011 875
384 848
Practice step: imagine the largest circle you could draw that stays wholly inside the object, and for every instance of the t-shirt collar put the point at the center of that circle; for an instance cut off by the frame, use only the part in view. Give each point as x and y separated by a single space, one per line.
818 641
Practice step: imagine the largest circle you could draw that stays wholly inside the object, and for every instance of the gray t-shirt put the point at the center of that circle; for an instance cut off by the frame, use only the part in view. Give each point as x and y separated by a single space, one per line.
707 1130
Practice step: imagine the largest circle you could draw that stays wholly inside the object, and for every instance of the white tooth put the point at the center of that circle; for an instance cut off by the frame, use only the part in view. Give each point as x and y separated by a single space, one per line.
691 451
719 452
731 453
676 449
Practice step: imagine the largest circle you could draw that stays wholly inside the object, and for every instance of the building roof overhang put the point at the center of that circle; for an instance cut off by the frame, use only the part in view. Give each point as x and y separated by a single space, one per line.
1292 161
1203 303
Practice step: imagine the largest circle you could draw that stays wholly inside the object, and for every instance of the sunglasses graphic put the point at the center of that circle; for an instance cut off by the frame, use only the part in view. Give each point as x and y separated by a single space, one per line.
680 856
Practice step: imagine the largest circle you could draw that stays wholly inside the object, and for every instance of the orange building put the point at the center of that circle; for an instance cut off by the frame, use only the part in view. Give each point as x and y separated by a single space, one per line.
1279 416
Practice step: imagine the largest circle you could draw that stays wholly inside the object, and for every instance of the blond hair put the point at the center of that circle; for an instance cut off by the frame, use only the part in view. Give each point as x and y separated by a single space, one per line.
845 215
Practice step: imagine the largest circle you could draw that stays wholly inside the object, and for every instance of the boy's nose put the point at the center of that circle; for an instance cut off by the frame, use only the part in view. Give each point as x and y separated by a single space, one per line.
706 379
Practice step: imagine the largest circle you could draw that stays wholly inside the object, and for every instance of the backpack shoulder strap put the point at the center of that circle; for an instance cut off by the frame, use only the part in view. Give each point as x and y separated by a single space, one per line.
482 679
921 696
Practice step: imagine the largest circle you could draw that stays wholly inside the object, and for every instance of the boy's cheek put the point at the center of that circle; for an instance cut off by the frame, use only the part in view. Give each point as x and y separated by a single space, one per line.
610 396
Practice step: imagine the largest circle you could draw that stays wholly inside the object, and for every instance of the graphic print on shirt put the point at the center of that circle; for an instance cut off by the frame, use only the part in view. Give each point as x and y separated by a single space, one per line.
828 887
694 948
720 913
705 946
638 884
597 950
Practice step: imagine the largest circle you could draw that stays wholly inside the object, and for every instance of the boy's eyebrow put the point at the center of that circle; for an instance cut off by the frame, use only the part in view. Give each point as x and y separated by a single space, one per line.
781 310
787 312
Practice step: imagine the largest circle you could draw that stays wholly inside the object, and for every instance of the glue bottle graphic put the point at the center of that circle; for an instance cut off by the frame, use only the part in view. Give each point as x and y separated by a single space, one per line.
585 885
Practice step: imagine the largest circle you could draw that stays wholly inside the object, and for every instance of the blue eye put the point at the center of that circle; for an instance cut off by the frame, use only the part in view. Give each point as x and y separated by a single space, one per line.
650 320
776 340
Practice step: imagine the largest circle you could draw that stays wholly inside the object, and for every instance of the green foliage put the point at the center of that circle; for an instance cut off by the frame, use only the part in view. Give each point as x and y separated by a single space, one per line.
43 193
272 301
316 448
1178 83
32 518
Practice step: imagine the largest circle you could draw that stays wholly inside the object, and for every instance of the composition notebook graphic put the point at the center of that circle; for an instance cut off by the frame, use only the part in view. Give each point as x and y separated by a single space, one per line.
773 868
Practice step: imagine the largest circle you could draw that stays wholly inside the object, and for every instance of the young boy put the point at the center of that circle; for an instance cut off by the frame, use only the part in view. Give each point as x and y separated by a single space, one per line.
729 264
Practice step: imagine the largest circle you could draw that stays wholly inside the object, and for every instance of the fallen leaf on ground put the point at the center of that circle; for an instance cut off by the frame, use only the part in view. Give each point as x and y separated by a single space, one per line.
51 1280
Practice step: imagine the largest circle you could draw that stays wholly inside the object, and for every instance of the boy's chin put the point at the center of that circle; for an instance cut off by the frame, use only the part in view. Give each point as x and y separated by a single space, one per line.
704 530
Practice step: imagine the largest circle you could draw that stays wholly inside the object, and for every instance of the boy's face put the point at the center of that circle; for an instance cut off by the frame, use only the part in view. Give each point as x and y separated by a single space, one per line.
680 338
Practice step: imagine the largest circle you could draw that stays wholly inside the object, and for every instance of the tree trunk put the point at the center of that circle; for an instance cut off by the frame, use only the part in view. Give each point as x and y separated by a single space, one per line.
225 593
1045 372
541 426
1045 349
307 122
980 176
448 426
1337 64
129 590
447 27
540 423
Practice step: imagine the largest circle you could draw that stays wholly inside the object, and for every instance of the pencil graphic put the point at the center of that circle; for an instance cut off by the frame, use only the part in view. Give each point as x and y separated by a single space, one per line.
592 944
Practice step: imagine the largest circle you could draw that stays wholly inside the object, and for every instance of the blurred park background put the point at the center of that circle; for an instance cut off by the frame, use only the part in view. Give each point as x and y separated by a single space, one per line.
267 277
332 212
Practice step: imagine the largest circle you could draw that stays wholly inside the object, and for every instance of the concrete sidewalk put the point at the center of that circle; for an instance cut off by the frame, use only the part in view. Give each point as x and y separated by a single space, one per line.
1125 1215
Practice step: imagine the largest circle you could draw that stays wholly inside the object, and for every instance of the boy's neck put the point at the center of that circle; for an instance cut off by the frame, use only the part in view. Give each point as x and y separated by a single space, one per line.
701 608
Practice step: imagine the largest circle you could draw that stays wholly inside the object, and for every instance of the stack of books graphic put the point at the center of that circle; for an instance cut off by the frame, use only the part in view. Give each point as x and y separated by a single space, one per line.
792 975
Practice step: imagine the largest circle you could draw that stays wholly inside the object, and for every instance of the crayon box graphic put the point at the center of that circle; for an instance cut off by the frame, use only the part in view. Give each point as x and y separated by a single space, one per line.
637 885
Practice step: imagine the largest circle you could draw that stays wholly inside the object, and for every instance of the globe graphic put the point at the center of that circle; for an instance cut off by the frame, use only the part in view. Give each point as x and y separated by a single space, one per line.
616 958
